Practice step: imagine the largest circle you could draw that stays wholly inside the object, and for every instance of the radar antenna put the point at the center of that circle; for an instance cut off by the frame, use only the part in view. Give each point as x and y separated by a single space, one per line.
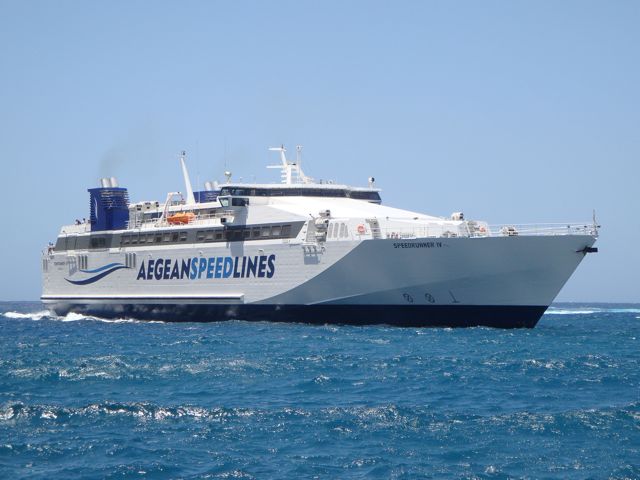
288 169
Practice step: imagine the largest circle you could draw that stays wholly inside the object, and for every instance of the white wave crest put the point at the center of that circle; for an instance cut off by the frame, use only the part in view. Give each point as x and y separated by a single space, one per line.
560 311
70 317
77 317
29 316
589 311
73 317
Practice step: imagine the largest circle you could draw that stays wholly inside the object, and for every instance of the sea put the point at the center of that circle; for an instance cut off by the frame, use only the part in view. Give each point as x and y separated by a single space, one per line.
84 398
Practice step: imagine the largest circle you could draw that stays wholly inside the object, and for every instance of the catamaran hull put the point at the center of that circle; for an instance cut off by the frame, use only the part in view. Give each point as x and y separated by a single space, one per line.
505 282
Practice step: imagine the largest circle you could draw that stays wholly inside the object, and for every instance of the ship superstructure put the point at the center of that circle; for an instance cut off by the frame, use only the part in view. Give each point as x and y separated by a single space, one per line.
303 251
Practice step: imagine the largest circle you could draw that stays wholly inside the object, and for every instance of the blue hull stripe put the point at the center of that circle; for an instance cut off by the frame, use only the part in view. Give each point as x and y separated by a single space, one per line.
95 278
105 267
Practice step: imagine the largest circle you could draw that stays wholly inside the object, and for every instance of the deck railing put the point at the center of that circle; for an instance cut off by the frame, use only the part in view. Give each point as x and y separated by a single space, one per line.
200 219
472 229
544 229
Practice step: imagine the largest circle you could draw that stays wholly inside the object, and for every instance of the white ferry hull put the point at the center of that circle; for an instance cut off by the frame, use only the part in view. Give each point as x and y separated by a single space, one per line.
492 281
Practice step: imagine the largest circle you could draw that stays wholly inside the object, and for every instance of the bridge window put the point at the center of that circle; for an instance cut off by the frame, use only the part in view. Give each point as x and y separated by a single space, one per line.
365 195
239 202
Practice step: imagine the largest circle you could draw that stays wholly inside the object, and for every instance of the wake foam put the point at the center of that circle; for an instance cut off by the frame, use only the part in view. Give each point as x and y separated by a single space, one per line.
29 316
70 317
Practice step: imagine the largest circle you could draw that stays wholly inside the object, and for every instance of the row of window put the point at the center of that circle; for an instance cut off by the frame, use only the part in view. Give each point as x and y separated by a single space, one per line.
263 232
232 234
98 242
152 238
301 192
164 237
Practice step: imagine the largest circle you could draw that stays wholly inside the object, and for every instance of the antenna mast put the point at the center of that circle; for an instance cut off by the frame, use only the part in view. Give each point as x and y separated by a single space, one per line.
187 182
287 170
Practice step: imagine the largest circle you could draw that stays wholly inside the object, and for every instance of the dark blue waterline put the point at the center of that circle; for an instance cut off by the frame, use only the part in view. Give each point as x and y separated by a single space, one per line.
498 316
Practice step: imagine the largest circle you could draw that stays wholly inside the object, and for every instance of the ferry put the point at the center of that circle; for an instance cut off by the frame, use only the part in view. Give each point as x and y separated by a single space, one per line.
303 251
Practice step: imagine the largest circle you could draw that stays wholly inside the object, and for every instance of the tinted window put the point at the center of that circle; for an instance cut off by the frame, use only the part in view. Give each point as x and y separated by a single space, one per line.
240 202
98 242
358 195
285 192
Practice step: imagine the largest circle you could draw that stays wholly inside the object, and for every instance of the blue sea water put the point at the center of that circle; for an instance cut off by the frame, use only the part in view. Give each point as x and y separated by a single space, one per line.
82 397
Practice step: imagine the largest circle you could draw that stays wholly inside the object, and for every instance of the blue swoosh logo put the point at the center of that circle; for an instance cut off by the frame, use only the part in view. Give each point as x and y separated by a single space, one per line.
106 267
104 271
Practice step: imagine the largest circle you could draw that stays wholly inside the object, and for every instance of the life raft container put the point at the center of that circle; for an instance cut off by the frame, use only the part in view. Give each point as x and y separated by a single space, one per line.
181 218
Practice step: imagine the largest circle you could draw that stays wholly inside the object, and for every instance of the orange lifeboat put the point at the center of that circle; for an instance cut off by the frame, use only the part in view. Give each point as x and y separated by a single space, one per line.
181 218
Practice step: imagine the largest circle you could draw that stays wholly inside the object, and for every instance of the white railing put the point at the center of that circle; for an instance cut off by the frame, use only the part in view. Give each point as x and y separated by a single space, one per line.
199 219
435 231
472 229
82 227
544 229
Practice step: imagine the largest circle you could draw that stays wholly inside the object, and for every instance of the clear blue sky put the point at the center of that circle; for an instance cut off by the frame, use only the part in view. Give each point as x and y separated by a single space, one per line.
509 111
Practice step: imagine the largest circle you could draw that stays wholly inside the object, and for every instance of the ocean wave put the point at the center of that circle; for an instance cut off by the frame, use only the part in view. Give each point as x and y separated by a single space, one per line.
137 410
548 364
29 316
70 317
389 416
385 416
589 310
78 317
396 438
560 311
